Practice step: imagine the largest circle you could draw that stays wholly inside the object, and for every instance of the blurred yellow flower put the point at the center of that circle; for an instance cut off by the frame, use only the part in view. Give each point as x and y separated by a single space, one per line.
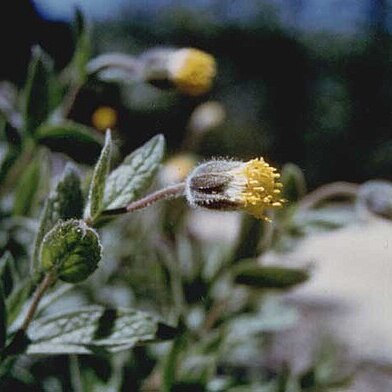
104 117
191 70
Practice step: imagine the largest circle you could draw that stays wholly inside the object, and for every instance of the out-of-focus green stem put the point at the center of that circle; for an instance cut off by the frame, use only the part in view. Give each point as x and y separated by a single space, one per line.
171 364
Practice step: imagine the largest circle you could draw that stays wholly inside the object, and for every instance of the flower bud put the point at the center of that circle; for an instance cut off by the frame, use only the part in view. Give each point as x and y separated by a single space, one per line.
207 116
190 70
104 117
234 185
71 250
375 197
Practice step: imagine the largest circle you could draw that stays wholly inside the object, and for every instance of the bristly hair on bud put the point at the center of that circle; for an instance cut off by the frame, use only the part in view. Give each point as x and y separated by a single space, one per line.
251 186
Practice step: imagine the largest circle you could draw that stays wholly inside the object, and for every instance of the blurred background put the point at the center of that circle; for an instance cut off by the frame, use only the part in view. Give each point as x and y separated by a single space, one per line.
305 81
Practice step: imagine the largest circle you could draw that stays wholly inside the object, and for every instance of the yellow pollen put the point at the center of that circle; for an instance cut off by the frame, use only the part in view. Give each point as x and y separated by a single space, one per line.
262 189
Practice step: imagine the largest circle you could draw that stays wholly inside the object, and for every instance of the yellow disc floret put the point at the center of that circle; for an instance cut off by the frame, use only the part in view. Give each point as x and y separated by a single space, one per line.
192 70
261 189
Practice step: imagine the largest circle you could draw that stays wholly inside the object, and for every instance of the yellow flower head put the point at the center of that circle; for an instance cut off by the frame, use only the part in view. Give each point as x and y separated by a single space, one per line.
191 70
259 187
104 117
232 185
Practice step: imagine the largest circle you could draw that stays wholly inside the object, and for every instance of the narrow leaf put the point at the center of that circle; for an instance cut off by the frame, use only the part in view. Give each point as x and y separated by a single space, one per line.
27 188
82 48
3 318
17 299
251 232
77 141
65 202
38 91
134 175
97 186
294 184
272 277
8 159
8 273
95 329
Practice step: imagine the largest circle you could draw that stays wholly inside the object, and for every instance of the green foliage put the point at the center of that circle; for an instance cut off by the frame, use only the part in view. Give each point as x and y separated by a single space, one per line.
28 187
294 184
270 277
134 175
8 275
18 298
3 318
82 48
39 94
98 182
70 138
95 330
64 202
71 250
8 159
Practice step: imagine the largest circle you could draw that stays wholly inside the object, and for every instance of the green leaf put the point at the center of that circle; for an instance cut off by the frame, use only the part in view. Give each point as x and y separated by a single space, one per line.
39 91
82 51
8 160
3 318
12 135
18 298
72 250
27 188
79 142
134 175
97 186
294 184
95 329
65 202
251 233
8 274
271 277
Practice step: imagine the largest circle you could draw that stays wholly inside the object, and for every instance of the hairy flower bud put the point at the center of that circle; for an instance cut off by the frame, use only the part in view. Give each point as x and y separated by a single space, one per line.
71 250
234 185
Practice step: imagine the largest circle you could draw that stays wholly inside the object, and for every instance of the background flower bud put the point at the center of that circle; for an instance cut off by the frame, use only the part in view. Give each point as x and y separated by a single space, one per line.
72 250
375 198
189 70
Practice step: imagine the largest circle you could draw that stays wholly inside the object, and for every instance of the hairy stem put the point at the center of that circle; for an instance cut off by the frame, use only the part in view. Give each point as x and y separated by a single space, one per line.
47 281
170 192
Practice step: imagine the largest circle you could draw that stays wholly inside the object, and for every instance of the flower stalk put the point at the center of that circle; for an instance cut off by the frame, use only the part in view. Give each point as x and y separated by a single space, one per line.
46 282
170 192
